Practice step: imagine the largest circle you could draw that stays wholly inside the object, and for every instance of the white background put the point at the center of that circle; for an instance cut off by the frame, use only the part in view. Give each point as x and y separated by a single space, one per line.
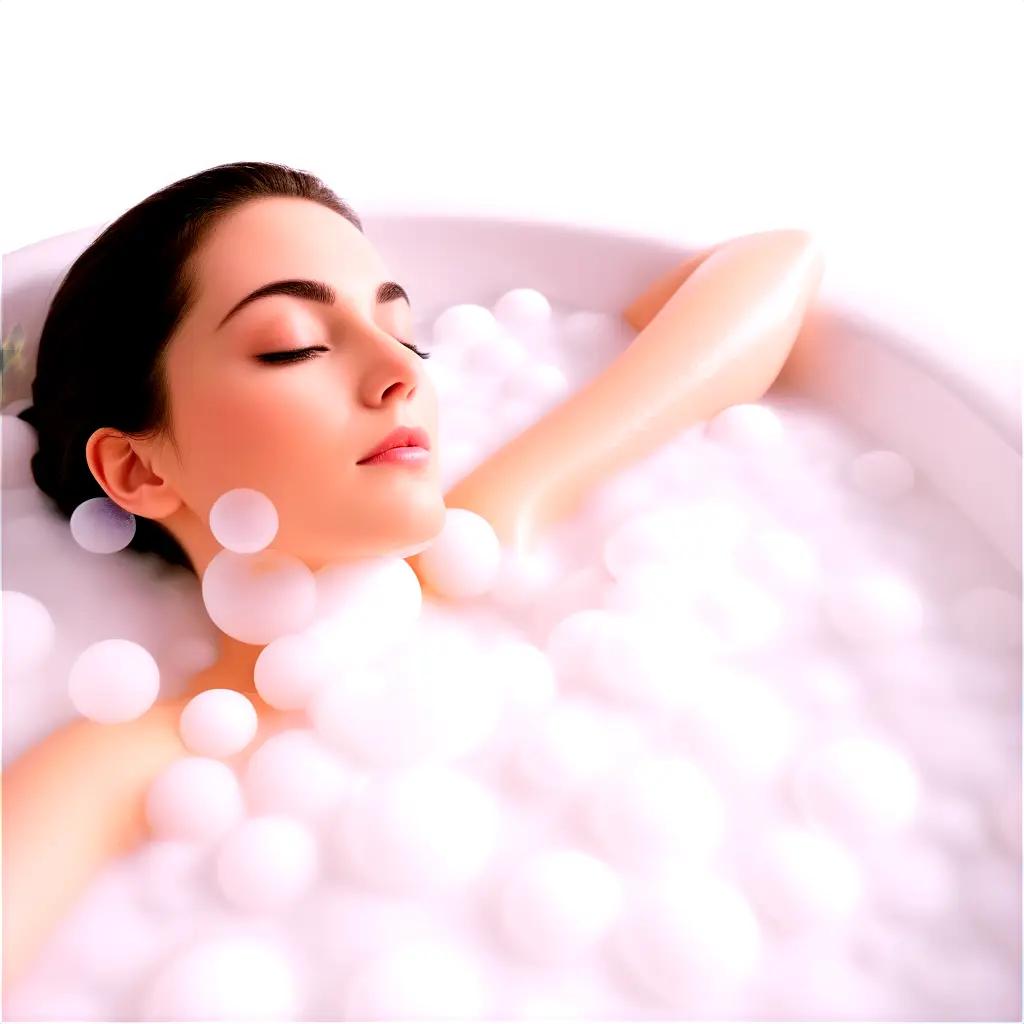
891 130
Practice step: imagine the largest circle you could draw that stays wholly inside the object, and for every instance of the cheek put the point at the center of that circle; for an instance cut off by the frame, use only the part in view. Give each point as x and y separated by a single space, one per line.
276 435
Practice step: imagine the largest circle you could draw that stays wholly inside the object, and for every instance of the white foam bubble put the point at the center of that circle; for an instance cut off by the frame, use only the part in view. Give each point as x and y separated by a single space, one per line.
267 863
29 632
660 807
224 978
101 526
114 681
362 605
218 723
464 559
769 602
418 980
460 327
559 904
747 426
874 606
430 828
257 598
292 669
525 311
244 520
859 783
193 798
293 773
687 935
805 877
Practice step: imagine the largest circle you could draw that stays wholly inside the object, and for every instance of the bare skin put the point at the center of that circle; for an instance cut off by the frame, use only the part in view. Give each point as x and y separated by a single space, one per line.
707 341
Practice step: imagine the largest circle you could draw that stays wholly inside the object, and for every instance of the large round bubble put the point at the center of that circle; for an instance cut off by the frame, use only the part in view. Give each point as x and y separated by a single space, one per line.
29 631
114 681
257 598
240 977
363 606
267 863
464 559
194 798
218 723
244 520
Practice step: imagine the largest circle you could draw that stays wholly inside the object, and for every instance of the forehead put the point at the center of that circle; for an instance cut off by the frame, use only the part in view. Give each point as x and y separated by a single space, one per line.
270 239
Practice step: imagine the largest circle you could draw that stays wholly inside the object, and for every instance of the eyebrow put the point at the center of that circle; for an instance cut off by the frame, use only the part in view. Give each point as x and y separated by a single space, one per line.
315 290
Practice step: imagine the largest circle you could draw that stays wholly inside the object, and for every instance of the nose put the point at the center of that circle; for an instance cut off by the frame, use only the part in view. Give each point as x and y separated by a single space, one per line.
390 370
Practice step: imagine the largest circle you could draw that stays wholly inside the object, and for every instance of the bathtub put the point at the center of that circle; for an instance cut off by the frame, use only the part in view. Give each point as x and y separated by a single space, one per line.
898 389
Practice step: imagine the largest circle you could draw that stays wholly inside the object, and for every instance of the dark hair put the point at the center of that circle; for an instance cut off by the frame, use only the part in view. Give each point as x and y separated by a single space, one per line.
100 361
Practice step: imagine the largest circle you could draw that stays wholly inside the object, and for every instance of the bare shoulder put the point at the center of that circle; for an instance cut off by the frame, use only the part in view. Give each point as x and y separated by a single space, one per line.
71 803
114 762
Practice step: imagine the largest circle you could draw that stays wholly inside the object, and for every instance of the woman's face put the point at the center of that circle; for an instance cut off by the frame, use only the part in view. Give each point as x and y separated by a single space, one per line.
297 430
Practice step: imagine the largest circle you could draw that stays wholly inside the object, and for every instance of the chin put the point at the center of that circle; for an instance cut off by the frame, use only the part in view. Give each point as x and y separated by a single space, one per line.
414 532
427 526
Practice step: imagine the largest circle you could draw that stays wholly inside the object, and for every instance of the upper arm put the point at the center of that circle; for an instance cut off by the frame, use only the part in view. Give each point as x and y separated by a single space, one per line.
641 311
70 804
721 338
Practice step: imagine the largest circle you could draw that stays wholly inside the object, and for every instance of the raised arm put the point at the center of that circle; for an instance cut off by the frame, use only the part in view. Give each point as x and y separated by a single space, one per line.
715 331
71 803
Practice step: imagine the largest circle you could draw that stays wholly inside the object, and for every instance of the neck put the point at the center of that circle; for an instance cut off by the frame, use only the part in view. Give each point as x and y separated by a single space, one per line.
233 669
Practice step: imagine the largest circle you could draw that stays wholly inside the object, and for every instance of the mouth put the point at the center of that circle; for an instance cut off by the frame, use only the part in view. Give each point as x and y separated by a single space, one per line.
402 444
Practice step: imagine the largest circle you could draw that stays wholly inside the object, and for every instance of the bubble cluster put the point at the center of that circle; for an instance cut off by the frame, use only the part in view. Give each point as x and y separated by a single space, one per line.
424 829
688 935
361 606
559 904
804 876
739 739
294 773
858 783
418 980
661 807
874 606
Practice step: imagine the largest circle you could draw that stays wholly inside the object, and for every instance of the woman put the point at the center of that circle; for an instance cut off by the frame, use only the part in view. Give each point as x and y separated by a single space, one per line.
237 329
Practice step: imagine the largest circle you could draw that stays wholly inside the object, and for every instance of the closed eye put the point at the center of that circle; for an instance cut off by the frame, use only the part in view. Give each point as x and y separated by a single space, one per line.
292 356
299 354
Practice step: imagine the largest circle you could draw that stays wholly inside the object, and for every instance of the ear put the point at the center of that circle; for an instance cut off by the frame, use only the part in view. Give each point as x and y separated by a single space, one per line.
123 468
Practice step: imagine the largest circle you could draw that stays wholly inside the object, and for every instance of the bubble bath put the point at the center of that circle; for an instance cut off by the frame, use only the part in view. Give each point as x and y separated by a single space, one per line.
740 738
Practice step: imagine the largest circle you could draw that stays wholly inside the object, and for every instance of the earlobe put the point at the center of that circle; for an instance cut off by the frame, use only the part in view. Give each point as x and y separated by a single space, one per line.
123 470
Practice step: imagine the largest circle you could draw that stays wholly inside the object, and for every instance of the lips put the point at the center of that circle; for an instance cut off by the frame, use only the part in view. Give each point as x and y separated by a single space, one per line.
402 437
